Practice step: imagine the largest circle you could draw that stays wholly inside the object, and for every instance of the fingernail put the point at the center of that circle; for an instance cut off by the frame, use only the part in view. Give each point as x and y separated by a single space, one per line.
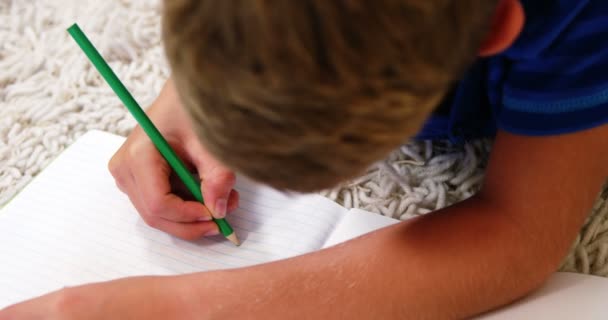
220 208
212 232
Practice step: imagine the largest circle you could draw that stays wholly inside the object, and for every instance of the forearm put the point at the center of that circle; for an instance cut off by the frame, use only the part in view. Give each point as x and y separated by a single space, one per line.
462 261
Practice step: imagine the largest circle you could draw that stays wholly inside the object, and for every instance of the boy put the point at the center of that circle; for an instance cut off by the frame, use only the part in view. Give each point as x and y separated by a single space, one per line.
304 94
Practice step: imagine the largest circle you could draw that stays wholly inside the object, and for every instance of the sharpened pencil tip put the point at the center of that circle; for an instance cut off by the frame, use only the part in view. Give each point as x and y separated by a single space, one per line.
232 237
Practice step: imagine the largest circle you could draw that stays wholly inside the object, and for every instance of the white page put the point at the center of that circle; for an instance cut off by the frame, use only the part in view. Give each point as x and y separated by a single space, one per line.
565 296
71 225
357 222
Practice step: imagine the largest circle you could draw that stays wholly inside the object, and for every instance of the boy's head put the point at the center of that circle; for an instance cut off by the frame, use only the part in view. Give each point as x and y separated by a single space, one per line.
304 94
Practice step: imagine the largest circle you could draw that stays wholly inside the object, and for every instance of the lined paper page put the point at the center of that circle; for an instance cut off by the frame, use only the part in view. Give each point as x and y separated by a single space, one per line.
357 222
71 225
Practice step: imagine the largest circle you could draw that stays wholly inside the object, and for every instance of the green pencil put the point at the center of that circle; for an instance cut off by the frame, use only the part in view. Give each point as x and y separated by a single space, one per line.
161 144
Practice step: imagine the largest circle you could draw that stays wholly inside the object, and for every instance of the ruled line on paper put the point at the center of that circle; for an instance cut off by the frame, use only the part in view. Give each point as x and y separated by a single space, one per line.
72 225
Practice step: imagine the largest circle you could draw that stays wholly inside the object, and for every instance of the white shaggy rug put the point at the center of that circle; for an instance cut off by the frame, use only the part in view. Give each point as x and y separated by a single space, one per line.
50 95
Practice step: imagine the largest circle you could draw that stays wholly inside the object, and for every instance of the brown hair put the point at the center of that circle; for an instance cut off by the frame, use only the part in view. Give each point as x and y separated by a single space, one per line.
301 94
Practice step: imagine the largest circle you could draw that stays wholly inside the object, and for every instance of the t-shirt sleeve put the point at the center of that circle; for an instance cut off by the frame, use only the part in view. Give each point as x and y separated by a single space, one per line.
556 81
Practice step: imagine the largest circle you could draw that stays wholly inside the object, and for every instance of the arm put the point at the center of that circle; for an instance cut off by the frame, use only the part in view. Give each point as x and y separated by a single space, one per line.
477 255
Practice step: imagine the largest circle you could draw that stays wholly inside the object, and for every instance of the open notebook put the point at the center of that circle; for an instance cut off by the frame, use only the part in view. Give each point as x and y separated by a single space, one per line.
71 225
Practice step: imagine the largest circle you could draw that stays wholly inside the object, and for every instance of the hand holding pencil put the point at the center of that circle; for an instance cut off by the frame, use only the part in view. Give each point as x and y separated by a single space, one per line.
141 172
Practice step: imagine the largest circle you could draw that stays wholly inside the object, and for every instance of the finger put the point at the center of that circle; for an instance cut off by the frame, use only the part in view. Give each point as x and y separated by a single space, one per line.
217 184
151 176
217 180
183 230
233 200
128 186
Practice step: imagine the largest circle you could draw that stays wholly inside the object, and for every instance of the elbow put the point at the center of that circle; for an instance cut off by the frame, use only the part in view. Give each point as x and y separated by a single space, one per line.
530 251
534 260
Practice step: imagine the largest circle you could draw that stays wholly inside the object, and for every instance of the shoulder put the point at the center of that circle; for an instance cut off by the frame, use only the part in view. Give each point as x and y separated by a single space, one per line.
551 80
552 25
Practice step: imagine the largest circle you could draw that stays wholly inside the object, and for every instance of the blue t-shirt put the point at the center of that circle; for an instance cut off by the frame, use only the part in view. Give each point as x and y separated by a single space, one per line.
552 80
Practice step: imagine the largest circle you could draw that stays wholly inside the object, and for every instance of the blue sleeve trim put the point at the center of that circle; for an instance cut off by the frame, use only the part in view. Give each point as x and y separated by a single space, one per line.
557 106
536 124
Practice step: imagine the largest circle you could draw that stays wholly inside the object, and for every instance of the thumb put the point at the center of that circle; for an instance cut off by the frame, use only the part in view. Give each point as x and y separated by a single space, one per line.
217 183
217 180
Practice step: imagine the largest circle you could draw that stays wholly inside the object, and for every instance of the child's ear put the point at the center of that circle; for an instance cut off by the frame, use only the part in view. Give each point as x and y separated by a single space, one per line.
507 23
